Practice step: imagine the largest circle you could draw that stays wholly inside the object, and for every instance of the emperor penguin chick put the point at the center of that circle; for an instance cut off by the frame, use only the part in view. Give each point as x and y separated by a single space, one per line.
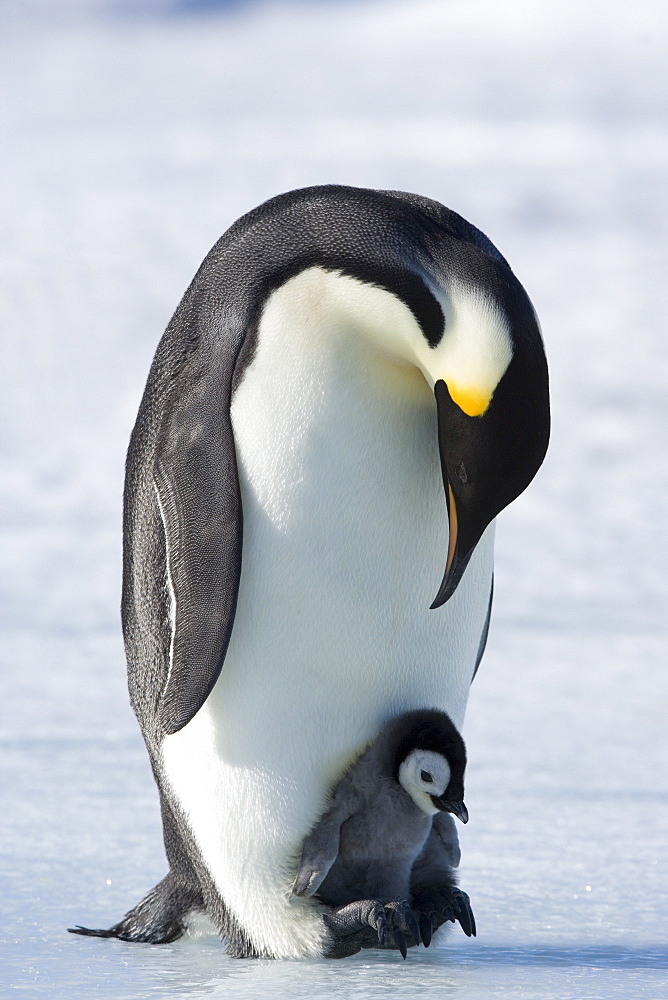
382 856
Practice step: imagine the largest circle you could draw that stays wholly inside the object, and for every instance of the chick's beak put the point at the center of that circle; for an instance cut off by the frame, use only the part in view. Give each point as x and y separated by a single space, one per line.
457 808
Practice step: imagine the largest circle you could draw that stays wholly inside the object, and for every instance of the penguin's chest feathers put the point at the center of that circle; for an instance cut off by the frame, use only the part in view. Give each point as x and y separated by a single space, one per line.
345 535
342 491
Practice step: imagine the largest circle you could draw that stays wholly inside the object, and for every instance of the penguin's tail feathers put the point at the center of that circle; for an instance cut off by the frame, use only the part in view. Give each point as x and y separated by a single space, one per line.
157 919
115 931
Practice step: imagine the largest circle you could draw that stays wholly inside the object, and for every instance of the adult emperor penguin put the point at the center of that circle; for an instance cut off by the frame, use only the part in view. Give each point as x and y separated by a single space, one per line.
342 358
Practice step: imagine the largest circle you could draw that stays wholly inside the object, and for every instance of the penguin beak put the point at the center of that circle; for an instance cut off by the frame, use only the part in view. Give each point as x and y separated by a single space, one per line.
457 809
458 553
464 515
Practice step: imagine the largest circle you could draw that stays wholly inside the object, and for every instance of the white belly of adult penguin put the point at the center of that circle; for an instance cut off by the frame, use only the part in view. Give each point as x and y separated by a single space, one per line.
340 357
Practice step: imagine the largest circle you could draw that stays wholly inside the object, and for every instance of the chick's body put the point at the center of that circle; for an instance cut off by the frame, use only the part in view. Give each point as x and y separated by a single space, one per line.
379 843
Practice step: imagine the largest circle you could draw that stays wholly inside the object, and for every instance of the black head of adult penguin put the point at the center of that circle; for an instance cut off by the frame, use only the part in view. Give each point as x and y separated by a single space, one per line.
482 351
489 456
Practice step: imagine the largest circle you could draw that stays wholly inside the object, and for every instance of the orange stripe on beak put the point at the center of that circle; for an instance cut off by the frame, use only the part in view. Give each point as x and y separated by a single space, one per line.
452 540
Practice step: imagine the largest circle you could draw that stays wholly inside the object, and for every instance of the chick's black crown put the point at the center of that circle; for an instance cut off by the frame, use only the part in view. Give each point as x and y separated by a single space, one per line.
429 729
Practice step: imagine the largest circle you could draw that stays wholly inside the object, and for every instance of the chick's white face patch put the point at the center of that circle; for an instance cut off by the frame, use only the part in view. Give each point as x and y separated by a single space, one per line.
475 350
423 774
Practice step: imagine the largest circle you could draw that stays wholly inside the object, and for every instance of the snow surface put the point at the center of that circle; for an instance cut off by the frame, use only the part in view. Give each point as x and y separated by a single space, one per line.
134 134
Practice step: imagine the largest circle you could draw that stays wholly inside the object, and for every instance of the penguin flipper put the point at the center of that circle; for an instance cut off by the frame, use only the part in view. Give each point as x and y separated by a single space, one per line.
196 481
157 919
321 847
443 826
485 630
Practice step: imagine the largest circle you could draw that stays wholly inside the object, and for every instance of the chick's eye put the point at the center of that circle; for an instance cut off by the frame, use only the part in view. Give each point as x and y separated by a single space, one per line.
425 775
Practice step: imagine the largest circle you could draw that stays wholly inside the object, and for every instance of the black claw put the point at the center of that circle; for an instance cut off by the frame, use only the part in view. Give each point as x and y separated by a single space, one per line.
400 941
469 910
382 930
464 914
425 931
413 926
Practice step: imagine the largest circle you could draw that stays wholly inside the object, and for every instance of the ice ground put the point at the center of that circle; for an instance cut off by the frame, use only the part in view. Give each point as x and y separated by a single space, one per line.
135 133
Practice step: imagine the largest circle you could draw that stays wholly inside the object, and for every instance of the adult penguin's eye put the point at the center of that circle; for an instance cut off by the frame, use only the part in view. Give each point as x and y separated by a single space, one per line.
425 775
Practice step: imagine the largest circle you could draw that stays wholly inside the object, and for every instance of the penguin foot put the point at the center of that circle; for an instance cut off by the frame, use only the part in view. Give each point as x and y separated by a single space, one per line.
157 919
365 919
368 923
436 906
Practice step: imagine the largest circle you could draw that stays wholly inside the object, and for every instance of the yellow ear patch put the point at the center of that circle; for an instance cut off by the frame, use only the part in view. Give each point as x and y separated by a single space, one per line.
472 401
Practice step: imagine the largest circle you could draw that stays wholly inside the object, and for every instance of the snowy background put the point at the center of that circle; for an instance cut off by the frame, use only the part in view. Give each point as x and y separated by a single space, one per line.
134 133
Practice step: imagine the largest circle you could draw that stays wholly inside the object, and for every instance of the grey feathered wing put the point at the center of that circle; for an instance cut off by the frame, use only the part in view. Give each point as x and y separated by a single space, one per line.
183 517
196 482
